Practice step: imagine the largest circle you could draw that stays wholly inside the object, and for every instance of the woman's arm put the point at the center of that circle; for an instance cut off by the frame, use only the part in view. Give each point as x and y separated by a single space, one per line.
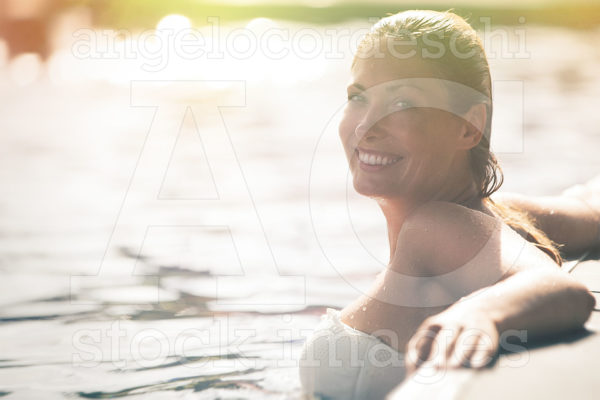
542 302
446 253
538 302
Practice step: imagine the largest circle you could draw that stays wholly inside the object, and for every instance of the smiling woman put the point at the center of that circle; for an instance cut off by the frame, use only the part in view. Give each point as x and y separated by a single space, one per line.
416 133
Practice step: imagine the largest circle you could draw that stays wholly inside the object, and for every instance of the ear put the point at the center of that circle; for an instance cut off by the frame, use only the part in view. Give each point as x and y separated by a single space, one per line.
474 124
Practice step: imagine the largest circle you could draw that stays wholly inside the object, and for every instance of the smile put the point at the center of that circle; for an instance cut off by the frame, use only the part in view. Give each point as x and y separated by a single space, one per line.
375 159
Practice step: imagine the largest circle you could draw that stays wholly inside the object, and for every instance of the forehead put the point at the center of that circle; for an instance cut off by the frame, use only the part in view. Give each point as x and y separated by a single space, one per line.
391 58
379 69
388 74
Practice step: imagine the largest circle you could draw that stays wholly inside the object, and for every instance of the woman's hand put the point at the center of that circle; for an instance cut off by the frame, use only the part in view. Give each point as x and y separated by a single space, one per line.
459 336
542 302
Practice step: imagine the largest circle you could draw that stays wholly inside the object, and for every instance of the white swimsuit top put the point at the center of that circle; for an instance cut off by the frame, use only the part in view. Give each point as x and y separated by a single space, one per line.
340 362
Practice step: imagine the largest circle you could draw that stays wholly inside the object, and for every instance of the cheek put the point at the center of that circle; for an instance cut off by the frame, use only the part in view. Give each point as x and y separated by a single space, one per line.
444 131
426 132
411 130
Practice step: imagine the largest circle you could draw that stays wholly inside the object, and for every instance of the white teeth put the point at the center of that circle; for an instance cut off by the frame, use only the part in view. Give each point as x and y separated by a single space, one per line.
371 159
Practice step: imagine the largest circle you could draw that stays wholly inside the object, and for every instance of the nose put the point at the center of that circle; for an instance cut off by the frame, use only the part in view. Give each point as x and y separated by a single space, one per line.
369 127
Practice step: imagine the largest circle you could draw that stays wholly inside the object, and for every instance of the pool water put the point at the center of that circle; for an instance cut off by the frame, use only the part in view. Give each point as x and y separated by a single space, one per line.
187 252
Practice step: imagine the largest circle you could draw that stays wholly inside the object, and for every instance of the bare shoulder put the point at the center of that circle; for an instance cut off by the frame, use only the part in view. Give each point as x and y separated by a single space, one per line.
442 233
440 237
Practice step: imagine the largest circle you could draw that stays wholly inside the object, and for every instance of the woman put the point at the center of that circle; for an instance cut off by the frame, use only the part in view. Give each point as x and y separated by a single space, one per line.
463 269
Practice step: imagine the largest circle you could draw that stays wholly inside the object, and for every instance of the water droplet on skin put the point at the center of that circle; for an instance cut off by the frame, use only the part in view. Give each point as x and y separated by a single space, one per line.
364 308
551 212
384 288
352 316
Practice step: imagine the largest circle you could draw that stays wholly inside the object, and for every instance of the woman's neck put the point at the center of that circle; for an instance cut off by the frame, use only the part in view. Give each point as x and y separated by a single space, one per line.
397 209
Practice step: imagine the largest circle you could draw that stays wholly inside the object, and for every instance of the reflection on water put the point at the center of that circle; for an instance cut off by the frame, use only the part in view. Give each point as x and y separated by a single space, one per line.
155 324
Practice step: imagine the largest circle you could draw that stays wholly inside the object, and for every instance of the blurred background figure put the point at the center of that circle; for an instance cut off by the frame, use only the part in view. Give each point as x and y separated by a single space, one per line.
25 25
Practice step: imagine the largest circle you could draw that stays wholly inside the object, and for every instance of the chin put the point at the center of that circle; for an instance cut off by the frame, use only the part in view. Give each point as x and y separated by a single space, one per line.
370 188
381 189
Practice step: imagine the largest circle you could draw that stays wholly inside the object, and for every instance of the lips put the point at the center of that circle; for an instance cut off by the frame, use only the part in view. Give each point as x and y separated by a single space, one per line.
376 159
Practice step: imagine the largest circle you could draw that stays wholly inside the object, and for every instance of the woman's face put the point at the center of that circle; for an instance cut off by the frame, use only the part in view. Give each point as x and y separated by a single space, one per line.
398 135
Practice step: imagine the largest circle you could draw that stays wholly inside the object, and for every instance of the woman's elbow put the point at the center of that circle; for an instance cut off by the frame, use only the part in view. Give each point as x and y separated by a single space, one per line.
590 302
573 302
585 303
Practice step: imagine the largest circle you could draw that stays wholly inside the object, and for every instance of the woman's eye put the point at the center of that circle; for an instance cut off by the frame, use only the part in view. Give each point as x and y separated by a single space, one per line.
401 103
356 97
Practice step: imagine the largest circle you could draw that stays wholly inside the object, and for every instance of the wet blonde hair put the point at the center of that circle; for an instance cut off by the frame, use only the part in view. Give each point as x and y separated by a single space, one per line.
423 27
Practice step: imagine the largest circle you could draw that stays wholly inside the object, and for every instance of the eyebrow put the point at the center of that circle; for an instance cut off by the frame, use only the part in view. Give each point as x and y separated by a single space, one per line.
356 85
387 89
